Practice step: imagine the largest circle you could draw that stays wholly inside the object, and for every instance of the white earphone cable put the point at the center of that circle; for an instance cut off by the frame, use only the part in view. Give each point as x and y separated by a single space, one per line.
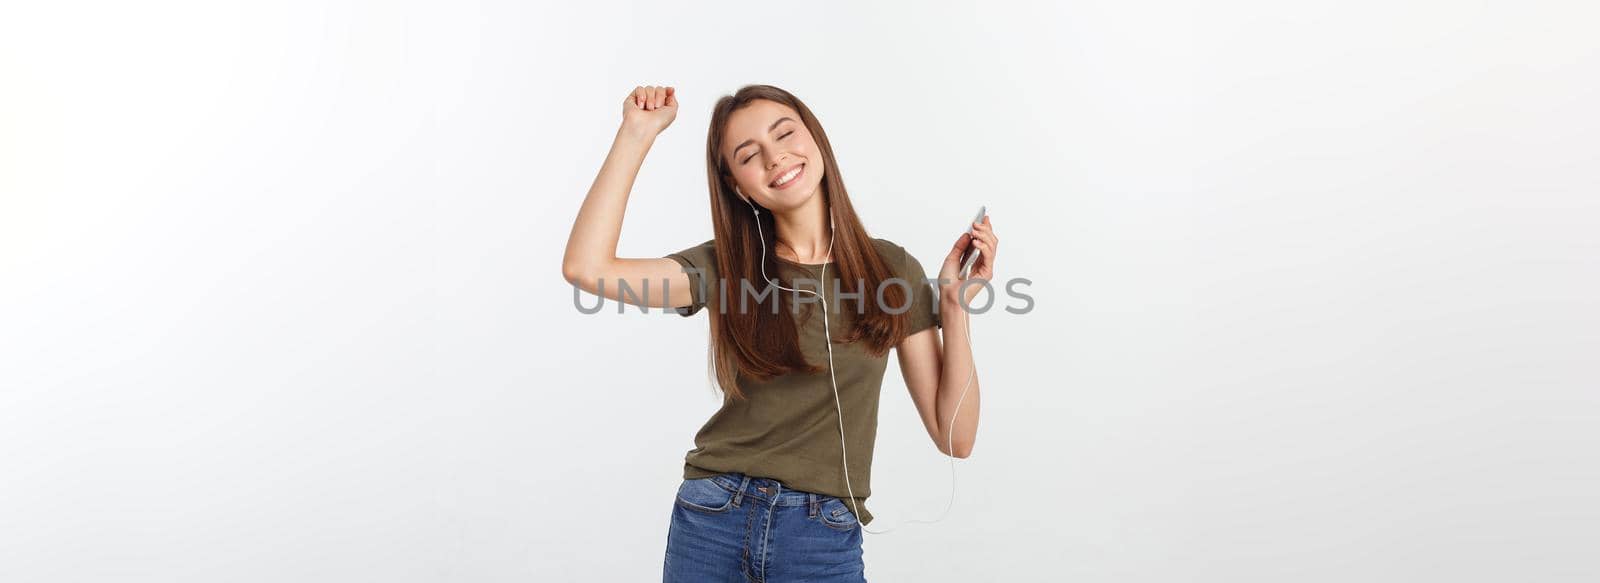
828 338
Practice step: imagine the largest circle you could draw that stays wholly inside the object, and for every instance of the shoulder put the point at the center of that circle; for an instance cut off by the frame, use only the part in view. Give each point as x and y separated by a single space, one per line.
895 253
889 250
703 255
902 260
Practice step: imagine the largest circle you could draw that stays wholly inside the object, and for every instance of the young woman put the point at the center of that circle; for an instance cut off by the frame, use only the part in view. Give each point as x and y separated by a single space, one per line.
773 488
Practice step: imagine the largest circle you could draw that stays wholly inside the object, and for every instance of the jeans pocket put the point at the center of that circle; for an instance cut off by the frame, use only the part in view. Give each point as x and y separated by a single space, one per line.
836 513
705 495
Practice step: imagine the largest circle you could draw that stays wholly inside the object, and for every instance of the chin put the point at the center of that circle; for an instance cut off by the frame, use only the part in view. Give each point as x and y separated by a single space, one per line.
793 200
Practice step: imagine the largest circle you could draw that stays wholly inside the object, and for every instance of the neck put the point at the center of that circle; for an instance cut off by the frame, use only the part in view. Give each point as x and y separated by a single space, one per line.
804 234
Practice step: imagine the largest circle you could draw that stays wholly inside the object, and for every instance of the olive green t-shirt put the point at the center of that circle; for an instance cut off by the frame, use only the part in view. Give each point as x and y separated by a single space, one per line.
787 429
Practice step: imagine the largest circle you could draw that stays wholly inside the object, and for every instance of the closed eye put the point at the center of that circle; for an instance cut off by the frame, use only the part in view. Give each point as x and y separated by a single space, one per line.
753 154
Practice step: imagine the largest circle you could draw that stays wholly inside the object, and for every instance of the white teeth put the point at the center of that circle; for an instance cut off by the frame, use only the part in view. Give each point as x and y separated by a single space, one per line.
782 180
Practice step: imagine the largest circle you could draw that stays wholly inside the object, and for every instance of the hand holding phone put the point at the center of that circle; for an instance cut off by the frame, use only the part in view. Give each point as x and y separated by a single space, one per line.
970 256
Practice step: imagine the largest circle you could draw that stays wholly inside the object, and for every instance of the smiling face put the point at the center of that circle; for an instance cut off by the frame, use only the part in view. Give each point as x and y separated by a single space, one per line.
771 155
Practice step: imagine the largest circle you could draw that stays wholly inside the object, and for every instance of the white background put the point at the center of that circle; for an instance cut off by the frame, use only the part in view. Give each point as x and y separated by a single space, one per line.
1316 285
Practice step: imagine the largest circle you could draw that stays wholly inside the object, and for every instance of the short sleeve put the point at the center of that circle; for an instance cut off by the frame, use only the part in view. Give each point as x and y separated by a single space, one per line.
924 310
700 264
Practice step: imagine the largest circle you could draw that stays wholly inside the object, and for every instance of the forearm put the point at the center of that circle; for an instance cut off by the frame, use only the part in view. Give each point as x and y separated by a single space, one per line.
595 233
958 368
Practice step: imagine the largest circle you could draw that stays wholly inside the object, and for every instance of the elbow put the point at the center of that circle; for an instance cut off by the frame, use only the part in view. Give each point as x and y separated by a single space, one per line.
574 274
961 451
584 273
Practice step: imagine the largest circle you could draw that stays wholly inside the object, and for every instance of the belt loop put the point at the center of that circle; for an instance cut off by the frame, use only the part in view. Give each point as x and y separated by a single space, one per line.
737 496
811 501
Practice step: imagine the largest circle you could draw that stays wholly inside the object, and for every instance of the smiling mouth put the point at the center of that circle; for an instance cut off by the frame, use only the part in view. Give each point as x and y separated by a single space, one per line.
789 178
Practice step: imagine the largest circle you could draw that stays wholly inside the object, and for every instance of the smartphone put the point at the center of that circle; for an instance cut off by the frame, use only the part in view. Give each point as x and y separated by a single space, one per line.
970 256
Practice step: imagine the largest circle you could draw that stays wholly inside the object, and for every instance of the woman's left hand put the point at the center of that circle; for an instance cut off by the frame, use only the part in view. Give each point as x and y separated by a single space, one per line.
984 239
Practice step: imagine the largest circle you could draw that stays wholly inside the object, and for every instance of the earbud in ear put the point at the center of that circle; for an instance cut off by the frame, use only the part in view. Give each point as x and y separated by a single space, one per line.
748 202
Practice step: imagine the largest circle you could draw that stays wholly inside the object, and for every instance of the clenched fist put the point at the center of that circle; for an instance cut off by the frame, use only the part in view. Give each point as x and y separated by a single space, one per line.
649 108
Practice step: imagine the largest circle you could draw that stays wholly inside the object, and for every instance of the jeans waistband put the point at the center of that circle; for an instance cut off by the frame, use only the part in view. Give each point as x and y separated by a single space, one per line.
765 489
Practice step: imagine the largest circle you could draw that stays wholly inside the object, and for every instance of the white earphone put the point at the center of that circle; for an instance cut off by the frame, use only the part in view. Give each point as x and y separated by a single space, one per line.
828 337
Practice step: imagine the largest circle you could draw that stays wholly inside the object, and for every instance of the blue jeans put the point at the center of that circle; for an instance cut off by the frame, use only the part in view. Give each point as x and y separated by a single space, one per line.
740 529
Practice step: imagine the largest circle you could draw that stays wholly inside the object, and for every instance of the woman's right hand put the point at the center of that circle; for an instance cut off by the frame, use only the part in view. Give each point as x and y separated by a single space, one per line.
650 109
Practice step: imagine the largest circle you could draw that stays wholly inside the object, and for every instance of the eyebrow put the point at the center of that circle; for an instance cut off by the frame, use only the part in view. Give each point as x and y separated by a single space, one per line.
769 130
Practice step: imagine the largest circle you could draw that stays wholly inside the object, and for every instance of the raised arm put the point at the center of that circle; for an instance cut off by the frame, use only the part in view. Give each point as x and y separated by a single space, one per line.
591 255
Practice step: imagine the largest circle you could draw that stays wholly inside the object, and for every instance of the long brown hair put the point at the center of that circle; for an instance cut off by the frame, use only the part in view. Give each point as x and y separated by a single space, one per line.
757 342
